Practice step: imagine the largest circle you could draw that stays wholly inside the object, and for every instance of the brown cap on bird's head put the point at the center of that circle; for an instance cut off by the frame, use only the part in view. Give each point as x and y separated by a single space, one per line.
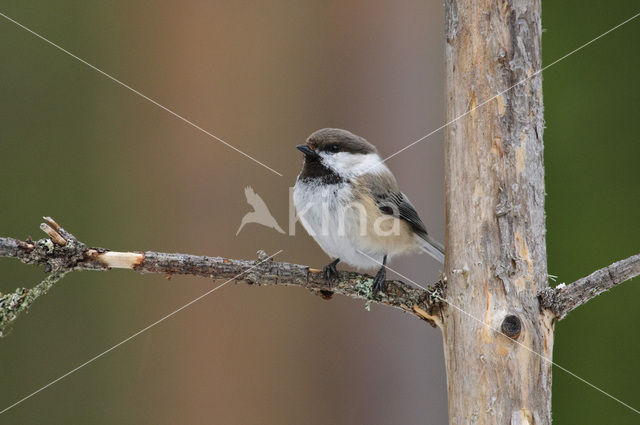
338 140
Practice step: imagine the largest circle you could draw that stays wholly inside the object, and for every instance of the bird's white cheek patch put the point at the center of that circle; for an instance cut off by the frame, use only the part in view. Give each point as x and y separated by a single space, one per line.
353 165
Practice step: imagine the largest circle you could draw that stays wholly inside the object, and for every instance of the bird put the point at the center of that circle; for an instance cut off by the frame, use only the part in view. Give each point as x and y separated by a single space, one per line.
348 200
260 213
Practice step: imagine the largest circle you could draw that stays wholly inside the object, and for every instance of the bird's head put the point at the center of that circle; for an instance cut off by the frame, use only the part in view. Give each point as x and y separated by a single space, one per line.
342 152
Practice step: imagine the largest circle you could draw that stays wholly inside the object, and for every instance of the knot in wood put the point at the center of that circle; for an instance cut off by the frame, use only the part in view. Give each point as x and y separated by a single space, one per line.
511 326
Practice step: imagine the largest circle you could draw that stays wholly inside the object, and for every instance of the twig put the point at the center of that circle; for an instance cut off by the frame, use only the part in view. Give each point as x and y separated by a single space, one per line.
19 301
563 299
63 253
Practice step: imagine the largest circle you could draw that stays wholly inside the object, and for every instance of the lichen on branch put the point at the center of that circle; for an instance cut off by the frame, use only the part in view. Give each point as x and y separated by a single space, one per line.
19 301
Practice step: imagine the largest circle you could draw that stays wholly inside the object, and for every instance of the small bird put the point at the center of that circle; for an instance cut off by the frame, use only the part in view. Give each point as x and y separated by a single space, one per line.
350 203
260 213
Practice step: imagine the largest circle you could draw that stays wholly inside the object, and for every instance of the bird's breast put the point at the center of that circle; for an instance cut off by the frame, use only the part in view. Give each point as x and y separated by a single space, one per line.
345 224
321 209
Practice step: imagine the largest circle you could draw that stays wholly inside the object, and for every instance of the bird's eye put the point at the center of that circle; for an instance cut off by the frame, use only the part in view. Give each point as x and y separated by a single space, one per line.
335 148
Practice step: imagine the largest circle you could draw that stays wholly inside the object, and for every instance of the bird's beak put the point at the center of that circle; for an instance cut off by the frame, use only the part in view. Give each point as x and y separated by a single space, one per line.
307 151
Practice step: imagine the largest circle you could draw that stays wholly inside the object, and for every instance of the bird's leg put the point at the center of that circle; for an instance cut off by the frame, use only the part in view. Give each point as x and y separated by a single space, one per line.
381 276
329 271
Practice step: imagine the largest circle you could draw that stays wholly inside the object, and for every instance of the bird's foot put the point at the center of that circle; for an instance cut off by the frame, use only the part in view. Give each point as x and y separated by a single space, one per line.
329 271
380 280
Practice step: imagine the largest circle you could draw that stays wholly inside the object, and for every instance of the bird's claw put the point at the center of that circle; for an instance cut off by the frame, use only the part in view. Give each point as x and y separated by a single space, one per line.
329 271
379 282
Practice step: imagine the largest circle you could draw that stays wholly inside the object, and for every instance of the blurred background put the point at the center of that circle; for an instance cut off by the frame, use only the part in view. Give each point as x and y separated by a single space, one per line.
120 172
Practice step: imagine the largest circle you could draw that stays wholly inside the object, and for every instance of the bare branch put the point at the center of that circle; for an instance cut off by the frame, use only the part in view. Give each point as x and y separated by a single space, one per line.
562 299
64 253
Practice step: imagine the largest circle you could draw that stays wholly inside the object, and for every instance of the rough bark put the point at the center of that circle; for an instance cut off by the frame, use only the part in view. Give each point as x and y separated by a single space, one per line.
564 298
495 230
62 253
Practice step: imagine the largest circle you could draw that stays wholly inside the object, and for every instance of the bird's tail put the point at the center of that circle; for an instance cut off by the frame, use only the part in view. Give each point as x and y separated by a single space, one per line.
433 248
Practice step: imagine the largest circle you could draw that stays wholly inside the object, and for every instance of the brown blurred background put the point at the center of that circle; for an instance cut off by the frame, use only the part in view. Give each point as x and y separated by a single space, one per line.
122 173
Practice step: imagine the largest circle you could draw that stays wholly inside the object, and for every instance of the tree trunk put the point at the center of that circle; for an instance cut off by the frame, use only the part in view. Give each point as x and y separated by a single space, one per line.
495 230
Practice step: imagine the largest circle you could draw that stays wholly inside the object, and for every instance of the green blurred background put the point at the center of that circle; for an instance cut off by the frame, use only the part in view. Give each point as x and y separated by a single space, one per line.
121 173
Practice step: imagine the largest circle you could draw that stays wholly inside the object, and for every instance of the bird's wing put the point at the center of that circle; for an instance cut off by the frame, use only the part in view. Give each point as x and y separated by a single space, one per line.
249 193
391 201
254 199
398 205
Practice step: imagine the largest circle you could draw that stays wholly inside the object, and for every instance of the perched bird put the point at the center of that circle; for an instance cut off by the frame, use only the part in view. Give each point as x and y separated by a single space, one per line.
260 213
350 203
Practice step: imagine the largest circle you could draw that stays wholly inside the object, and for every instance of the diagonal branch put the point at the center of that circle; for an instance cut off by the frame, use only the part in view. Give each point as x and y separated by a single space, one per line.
14 304
62 253
562 299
